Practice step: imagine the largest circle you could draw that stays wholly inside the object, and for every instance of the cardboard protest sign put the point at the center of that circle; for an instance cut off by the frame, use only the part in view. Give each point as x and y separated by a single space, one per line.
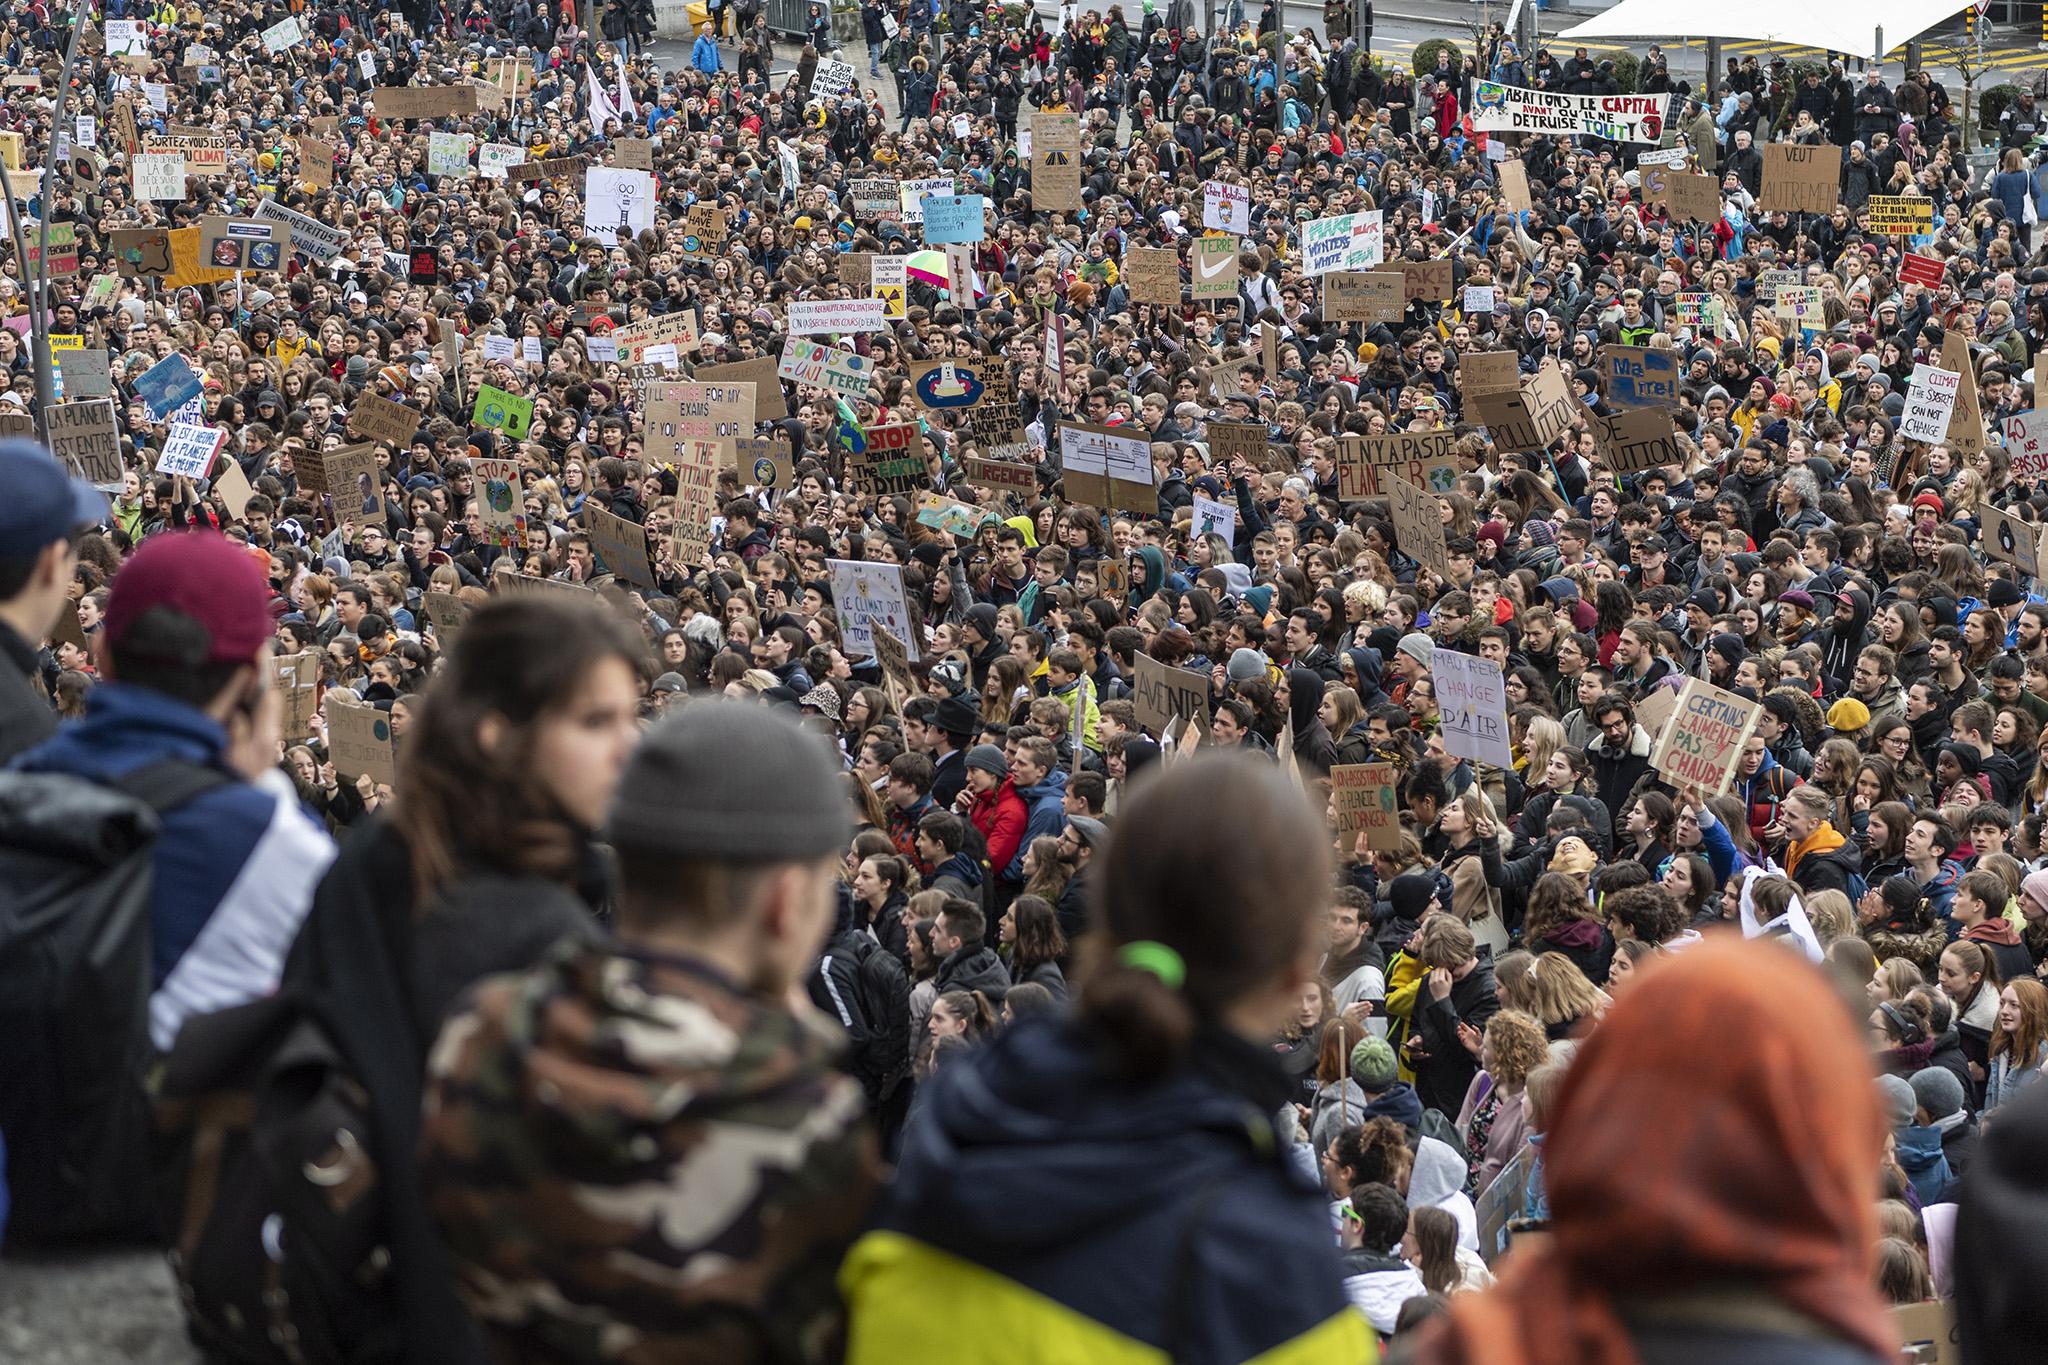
764 463
704 231
1635 439
84 436
17 423
380 419
1900 215
697 464
1966 419
1364 799
1161 694
1531 416
552 168
1055 161
705 412
1215 271
1640 376
995 424
424 101
620 543
142 252
867 594
1929 1332
1801 179
761 373
352 479
893 461
1239 440
359 742
634 153
1702 743
1686 196
1365 295
447 613
298 687
502 411
1514 185
1488 372
1930 400
1423 458
1107 467
234 489
2005 537
316 162
1418 524
1428 281
87 374
1472 697
1152 275
1002 476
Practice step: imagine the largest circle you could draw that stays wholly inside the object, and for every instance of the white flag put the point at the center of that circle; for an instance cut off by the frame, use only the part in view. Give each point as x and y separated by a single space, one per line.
626 110
601 110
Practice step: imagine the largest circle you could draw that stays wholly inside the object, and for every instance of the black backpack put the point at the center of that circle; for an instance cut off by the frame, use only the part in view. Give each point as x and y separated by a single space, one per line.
269 1192
76 859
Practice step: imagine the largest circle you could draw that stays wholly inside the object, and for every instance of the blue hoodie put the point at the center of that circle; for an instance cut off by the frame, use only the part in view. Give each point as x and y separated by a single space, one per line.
1925 1164
1045 807
1367 662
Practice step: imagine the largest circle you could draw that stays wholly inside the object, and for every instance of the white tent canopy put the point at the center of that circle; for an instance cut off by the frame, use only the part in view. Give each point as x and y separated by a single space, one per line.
1868 29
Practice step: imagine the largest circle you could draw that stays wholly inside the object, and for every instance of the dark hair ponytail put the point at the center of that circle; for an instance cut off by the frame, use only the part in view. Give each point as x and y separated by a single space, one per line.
1210 887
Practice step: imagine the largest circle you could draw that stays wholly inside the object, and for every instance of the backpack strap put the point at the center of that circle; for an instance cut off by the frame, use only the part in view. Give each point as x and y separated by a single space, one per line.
169 783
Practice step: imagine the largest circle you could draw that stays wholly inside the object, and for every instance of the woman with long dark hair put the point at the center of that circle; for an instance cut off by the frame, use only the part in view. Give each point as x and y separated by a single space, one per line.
1033 945
485 858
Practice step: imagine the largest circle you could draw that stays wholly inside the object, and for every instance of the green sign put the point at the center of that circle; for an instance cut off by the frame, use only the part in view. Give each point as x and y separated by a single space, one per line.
503 411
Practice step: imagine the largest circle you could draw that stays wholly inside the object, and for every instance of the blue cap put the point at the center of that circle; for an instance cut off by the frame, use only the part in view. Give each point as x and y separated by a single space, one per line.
44 503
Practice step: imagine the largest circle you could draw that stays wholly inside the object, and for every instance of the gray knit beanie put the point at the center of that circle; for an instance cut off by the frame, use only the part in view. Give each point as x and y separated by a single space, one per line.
734 783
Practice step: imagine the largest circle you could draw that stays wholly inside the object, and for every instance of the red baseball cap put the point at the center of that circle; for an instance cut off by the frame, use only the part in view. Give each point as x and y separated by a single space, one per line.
205 576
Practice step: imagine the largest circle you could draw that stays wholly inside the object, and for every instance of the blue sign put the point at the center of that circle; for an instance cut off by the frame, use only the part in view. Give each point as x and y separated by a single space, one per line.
1639 377
952 218
166 385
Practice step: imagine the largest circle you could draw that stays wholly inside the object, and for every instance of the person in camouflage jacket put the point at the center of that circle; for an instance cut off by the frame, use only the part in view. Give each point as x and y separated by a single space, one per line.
639 1150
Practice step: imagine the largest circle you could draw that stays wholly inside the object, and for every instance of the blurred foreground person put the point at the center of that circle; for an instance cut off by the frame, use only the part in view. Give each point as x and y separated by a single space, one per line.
1708 1203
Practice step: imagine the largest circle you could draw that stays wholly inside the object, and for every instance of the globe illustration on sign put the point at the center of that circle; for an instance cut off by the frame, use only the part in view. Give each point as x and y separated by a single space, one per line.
764 473
498 493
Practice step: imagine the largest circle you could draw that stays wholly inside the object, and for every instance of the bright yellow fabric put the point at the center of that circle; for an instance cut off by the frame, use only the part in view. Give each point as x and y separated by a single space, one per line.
911 1302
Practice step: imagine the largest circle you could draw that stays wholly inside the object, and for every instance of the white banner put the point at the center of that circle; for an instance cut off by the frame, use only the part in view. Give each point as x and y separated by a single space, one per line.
1929 401
616 201
310 236
1498 108
158 176
866 594
1474 703
1350 241
1227 207
189 450
2026 441
826 317
494 159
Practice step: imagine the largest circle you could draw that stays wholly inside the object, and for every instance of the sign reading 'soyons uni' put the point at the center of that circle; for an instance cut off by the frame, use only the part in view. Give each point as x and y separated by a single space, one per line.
1498 108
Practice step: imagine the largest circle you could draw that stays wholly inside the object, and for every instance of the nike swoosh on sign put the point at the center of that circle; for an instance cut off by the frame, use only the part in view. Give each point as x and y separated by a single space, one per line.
1222 265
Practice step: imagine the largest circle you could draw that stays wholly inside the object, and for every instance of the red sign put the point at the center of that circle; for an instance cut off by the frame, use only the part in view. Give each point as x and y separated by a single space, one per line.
1922 270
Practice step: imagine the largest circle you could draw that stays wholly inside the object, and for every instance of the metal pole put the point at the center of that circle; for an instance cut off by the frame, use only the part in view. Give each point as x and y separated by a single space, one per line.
46 385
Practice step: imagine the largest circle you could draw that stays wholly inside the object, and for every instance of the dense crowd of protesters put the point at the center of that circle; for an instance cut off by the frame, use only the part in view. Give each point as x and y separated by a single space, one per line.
692 986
